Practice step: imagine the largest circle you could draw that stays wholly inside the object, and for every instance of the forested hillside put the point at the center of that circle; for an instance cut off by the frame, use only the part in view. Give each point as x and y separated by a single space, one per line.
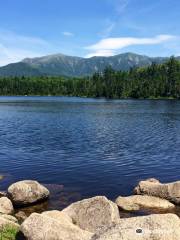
154 81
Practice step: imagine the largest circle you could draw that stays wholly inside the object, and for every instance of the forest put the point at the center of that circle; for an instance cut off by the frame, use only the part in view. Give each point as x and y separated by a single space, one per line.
154 81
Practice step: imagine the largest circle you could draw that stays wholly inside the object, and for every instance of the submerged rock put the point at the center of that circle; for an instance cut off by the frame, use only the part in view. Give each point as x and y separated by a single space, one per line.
137 202
169 191
156 226
1 177
93 213
6 206
43 227
27 192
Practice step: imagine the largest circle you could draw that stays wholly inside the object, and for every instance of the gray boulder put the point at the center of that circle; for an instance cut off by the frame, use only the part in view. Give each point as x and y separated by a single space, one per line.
6 206
93 213
152 227
169 191
47 227
27 192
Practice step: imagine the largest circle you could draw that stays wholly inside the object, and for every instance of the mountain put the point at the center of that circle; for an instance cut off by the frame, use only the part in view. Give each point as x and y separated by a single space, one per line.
59 64
19 69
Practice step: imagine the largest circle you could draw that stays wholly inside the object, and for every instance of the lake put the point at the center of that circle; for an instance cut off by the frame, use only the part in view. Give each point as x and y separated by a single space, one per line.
90 146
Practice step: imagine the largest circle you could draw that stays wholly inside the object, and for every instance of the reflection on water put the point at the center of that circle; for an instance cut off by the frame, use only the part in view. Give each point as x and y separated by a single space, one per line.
90 146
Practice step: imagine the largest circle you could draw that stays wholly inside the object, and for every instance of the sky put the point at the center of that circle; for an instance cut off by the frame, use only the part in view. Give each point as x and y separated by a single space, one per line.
88 28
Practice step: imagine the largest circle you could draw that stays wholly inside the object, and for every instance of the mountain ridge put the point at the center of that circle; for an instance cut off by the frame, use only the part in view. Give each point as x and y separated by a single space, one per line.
64 65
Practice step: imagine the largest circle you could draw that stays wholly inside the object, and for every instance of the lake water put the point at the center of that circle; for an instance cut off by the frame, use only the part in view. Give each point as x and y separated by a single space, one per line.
90 146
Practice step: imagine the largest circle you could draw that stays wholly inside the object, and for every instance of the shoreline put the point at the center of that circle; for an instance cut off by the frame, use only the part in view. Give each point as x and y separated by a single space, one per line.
91 218
91 97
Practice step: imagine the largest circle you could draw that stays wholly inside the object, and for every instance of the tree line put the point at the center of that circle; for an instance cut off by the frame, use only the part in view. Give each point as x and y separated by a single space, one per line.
154 81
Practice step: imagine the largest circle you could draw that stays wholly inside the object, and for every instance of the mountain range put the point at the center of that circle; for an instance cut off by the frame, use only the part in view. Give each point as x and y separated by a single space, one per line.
59 64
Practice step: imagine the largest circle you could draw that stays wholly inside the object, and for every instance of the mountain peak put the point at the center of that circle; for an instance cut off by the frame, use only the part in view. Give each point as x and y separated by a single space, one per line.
60 64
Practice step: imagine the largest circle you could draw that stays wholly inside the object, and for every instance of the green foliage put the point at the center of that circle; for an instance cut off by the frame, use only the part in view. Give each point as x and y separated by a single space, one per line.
154 81
8 233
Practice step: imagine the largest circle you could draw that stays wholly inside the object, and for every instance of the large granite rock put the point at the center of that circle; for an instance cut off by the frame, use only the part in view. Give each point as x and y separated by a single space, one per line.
152 227
47 227
6 206
137 202
169 191
58 215
27 192
93 213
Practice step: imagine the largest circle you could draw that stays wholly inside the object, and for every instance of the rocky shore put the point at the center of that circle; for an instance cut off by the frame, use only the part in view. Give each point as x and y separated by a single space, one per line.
96 218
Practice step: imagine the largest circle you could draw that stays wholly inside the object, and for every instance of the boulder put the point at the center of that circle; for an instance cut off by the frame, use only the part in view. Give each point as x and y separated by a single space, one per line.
169 191
151 227
58 215
27 192
6 206
93 213
43 227
137 202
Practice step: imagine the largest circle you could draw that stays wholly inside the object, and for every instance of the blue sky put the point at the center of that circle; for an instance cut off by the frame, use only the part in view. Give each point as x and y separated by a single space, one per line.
88 27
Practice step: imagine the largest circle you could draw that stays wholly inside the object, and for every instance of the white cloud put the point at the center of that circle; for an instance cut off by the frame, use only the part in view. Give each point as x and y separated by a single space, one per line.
109 46
68 34
15 47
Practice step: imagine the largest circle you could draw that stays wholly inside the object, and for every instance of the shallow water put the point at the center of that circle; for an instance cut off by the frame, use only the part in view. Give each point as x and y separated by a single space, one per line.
90 146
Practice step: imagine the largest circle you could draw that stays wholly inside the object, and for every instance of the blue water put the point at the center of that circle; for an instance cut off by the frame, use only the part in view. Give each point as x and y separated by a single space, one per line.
96 146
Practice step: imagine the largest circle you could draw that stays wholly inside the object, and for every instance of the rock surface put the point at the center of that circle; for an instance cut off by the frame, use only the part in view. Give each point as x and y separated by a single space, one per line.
152 227
169 191
93 213
6 206
137 202
43 227
9 217
5 222
58 215
27 192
